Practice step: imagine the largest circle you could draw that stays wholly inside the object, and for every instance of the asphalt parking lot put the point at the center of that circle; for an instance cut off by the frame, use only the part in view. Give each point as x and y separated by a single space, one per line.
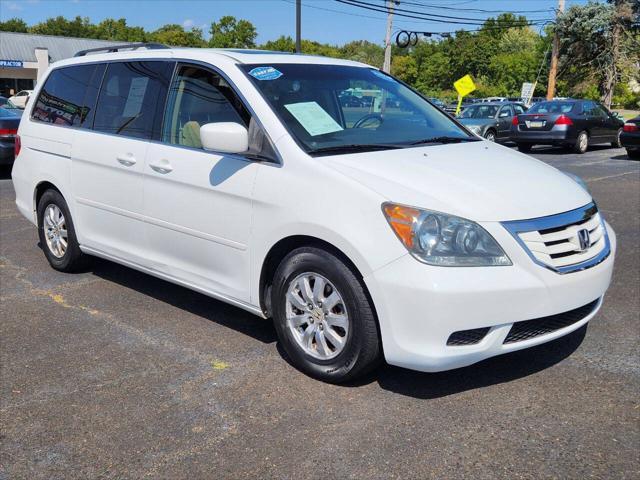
115 374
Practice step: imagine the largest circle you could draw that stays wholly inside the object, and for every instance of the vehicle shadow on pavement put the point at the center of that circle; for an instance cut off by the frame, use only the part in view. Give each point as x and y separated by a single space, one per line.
500 369
185 299
552 150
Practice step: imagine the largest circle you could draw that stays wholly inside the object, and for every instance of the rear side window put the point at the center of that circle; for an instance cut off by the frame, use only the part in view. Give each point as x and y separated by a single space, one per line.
132 98
62 98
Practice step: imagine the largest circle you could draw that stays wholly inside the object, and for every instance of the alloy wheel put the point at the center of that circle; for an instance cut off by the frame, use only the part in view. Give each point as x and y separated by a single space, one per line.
317 316
55 230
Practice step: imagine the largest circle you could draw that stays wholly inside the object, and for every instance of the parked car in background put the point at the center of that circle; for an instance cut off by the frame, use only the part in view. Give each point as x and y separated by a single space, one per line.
570 123
493 99
9 122
438 103
21 98
491 120
350 101
3 101
630 137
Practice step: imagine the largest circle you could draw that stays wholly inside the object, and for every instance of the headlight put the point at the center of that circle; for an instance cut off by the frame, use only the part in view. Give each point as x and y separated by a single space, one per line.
439 239
578 180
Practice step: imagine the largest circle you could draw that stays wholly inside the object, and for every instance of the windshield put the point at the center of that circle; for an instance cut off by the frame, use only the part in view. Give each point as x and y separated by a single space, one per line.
479 111
552 107
329 107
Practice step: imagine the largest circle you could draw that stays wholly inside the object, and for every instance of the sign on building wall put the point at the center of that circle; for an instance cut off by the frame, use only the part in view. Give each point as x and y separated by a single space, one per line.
10 64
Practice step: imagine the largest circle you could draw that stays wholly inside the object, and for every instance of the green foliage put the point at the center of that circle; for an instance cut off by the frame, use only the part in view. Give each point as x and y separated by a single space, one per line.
118 30
14 25
600 49
231 33
78 27
174 34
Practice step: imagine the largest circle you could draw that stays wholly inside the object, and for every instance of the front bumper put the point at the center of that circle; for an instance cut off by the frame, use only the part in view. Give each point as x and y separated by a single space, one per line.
420 306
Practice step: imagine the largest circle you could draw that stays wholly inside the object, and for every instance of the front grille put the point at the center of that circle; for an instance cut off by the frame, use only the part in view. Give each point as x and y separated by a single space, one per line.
467 337
540 326
555 241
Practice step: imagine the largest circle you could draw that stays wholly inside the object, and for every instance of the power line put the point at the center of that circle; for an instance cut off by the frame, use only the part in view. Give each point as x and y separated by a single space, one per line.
429 17
477 10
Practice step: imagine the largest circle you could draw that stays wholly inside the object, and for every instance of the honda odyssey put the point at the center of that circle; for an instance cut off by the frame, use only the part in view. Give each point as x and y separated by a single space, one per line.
366 230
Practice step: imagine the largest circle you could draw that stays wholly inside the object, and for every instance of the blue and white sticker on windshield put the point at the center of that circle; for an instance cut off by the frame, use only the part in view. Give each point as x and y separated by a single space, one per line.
265 73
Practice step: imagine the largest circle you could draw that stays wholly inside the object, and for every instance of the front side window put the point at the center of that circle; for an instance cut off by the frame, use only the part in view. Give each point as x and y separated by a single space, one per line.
327 108
132 98
62 98
199 97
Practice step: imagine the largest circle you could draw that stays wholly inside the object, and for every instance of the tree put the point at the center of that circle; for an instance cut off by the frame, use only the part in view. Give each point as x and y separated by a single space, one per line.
14 25
281 44
174 34
363 51
594 44
231 33
78 27
112 29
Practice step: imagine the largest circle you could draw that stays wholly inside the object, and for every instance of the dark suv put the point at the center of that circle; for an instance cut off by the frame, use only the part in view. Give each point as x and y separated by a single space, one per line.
572 123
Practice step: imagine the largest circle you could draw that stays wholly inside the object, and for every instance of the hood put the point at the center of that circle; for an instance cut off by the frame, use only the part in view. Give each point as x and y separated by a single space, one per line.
477 121
480 181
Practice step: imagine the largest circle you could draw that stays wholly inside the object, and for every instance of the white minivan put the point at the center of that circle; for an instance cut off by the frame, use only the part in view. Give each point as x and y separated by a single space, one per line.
367 229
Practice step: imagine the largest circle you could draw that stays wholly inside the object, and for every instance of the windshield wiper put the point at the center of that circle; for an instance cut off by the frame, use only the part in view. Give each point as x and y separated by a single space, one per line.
445 139
356 147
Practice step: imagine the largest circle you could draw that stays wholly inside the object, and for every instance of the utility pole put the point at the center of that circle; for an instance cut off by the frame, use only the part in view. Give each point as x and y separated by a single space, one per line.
555 52
298 25
386 67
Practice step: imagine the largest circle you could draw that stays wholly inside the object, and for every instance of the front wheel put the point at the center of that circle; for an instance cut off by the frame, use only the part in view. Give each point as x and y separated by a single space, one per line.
323 316
582 143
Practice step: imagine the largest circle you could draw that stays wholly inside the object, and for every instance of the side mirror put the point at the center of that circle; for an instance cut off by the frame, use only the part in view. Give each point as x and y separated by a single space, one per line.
227 137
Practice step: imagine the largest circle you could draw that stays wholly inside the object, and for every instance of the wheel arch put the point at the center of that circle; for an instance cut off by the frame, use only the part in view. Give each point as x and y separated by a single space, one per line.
282 248
39 190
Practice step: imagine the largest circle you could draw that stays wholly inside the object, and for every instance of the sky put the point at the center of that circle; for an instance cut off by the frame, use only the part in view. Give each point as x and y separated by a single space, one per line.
326 21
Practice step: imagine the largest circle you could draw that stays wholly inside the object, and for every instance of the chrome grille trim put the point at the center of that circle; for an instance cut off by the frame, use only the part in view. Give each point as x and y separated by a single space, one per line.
549 241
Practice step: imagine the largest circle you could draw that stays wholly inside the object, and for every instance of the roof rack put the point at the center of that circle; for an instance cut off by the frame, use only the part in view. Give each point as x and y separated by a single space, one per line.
124 46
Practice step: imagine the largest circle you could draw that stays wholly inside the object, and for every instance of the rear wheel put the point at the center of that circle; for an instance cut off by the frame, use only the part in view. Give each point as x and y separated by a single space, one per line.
324 319
524 147
617 143
57 234
582 142
490 135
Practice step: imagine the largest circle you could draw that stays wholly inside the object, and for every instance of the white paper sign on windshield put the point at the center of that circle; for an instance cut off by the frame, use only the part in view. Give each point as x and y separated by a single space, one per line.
313 118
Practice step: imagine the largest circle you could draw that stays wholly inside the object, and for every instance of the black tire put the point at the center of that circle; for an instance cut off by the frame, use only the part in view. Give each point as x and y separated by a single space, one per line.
73 259
490 135
582 143
634 154
524 147
617 143
362 350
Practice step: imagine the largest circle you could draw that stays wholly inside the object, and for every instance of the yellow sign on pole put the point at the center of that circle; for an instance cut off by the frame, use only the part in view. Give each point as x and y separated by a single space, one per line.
464 86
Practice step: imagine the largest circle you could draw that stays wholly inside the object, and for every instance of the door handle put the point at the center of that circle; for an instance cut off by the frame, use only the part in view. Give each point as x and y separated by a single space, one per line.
163 167
127 160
